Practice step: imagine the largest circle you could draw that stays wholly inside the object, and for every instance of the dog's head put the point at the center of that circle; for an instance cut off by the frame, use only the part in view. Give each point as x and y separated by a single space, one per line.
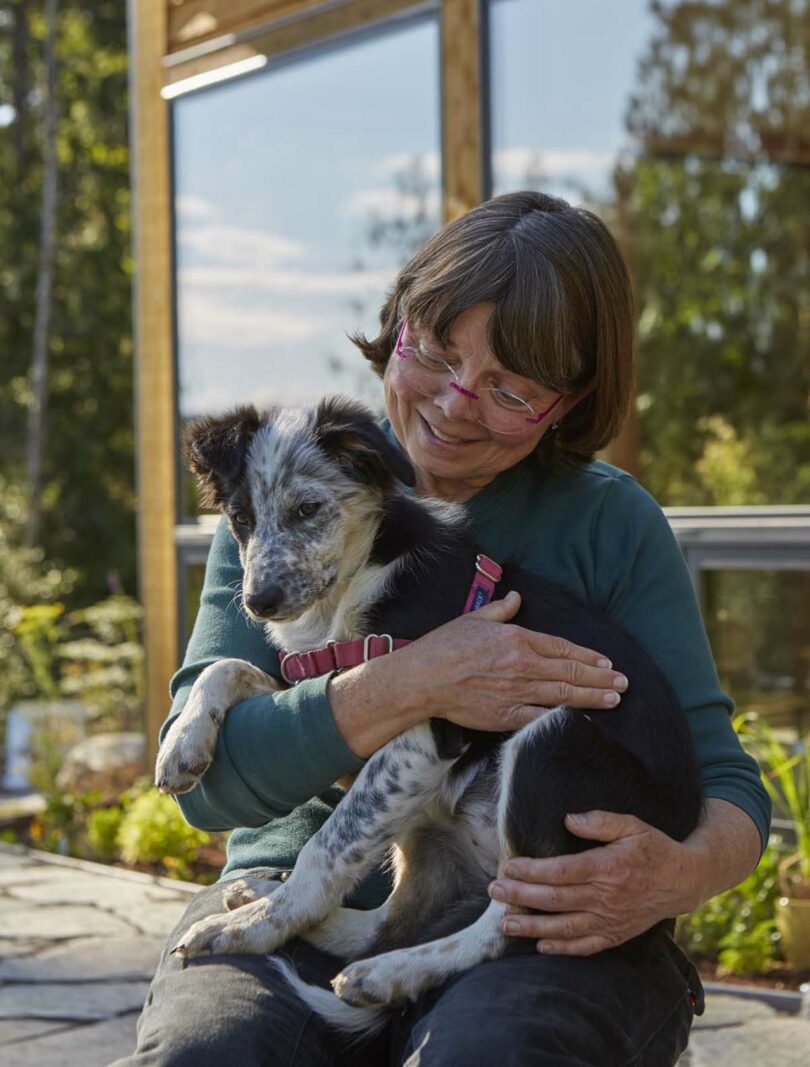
301 488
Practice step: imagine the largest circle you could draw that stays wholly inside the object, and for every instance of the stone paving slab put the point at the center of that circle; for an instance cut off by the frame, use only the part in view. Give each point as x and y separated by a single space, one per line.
131 957
14 1030
78 946
71 1002
56 922
746 1033
82 1046
79 942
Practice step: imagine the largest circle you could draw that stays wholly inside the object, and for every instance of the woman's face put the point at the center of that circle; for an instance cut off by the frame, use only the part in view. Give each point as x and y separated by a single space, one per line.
455 455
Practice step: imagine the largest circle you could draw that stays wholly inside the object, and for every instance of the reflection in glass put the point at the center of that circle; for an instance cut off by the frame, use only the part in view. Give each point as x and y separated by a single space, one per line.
298 193
686 127
757 625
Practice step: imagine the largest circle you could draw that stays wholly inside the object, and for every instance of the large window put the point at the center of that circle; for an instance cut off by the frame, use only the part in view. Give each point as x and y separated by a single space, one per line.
298 192
687 128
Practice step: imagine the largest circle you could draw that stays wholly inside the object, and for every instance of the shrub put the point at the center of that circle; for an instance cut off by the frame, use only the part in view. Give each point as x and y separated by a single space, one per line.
736 929
154 831
103 826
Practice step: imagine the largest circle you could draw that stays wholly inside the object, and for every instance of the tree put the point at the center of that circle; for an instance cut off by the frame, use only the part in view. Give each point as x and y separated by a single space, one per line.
39 361
88 497
717 202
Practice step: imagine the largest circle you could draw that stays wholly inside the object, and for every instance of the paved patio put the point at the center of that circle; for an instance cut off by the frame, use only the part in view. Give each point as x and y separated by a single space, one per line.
79 942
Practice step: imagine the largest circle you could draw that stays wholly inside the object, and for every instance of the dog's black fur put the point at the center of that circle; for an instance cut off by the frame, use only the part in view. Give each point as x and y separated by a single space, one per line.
637 758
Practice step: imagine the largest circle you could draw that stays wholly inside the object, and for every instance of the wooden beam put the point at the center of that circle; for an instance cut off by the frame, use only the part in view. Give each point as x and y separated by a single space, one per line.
322 23
191 22
154 365
462 97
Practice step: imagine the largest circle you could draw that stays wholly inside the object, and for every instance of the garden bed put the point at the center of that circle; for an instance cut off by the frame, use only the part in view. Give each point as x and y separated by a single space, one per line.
779 977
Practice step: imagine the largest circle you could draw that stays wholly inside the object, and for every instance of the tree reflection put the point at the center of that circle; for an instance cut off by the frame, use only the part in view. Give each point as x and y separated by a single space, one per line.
714 214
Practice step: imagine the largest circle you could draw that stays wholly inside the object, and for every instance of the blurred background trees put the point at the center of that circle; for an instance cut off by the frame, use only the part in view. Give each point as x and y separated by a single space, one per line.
87 497
714 213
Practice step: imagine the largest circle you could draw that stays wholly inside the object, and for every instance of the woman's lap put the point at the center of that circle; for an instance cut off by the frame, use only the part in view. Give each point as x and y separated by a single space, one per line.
629 1006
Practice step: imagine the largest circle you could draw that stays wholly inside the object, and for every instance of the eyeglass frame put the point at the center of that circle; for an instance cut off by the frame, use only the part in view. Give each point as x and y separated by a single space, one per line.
455 383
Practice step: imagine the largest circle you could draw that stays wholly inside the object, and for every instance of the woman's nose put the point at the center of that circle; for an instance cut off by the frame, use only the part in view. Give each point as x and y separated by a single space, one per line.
454 403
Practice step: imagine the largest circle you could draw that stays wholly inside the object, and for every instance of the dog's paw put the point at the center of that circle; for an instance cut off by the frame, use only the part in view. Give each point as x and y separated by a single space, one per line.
374 981
247 929
184 757
245 891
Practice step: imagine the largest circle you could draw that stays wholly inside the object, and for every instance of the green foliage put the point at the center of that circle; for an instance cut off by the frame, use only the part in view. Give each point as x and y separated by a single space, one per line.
61 826
89 497
30 608
714 212
737 929
93 654
786 775
154 831
103 826
101 661
144 828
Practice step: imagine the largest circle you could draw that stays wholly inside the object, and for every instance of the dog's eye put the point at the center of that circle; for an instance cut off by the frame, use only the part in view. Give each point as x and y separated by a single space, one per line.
240 518
305 510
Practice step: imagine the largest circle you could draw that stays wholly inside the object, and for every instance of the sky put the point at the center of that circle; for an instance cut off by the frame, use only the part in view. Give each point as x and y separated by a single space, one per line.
280 175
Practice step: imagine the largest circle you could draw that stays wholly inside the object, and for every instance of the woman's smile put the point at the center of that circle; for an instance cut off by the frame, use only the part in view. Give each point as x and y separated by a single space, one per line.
443 437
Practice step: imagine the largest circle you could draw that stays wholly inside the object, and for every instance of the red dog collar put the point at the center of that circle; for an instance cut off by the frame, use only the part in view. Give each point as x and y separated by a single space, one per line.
340 655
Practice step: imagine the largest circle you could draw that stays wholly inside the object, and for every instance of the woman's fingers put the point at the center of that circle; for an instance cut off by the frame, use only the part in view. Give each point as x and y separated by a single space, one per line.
550 646
552 694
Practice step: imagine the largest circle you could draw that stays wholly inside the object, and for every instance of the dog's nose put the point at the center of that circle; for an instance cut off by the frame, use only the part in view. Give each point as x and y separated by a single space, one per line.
266 601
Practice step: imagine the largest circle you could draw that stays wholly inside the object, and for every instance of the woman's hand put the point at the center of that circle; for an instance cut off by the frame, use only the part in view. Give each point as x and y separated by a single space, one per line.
602 897
481 672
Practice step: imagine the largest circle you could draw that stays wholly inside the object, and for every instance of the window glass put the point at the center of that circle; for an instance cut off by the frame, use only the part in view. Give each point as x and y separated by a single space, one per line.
757 625
298 193
685 127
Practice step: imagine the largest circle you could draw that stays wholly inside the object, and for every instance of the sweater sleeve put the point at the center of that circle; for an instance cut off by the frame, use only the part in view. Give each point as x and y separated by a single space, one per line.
643 581
274 751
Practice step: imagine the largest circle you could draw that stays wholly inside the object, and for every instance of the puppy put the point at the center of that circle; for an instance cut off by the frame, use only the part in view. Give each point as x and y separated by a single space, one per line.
334 546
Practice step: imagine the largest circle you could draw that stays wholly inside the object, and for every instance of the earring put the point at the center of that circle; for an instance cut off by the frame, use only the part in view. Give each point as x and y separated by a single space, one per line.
555 426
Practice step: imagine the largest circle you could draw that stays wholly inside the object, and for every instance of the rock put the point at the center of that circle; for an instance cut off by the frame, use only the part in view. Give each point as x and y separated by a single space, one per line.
109 763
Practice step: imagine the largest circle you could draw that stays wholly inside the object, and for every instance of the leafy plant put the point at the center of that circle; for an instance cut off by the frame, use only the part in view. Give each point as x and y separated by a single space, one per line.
153 831
736 929
101 660
786 776
103 826
31 590
61 825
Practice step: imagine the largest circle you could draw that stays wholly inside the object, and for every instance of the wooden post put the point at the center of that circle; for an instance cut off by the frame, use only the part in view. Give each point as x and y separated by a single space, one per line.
462 106
154 365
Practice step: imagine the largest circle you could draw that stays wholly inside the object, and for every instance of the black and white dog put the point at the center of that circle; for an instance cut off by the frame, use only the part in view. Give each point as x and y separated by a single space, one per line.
334 547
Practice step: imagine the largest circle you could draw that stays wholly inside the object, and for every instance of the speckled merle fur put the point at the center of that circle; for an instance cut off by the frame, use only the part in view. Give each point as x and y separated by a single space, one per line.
335 546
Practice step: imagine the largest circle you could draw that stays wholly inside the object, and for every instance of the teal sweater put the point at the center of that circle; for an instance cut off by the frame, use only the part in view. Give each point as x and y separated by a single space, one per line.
592 529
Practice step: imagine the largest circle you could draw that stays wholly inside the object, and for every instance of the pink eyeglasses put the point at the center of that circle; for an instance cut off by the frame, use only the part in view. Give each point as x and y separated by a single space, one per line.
430 374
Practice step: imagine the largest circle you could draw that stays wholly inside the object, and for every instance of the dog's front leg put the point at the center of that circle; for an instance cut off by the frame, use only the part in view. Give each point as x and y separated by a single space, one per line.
188 747
390 791
345 932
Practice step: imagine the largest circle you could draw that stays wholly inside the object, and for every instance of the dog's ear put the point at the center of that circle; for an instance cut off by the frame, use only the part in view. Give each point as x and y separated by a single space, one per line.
349 432
215 450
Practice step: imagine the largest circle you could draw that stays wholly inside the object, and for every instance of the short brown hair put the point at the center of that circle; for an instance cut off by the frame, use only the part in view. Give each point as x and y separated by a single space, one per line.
563 306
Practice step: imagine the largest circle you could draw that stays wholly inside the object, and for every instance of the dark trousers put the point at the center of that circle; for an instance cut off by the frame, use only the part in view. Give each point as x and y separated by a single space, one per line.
629 1006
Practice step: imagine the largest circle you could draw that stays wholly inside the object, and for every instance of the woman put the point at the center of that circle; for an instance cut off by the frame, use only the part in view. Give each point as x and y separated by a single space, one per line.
524 303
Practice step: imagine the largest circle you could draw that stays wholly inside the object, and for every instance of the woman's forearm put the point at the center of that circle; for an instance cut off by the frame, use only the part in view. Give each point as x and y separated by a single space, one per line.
373 703
725 846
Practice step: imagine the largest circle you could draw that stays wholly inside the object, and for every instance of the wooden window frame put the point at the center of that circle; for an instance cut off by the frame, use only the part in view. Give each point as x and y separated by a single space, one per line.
171 43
